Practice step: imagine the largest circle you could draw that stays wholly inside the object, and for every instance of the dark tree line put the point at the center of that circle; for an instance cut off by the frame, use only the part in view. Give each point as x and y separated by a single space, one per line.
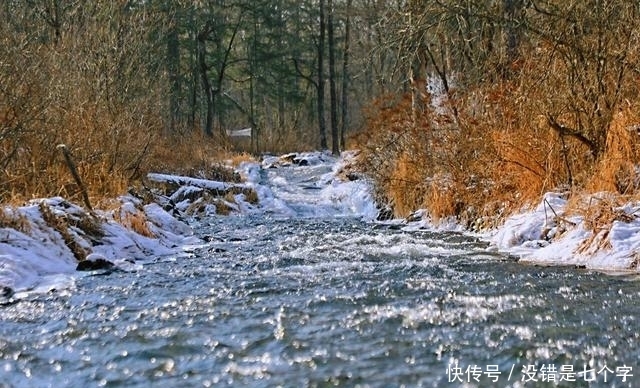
270 65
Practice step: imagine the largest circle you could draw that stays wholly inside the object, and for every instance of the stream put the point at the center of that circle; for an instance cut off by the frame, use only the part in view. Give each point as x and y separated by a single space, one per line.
320 297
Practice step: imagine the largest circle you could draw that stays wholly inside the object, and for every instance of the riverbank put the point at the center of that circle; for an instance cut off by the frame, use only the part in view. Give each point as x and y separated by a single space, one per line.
602 233
44 242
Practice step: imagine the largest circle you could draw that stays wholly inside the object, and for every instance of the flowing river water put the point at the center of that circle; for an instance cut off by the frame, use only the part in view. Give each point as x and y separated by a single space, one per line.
319 299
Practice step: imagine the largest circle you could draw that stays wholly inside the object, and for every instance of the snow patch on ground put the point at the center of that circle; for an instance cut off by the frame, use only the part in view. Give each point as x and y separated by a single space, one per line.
38 259
546 236
293 195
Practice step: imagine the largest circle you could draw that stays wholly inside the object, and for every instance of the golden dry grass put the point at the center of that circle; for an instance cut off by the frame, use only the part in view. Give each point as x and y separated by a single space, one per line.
139 224
222 207
135 221
61 225
251 196
406 186
10 218
237 158
615 172
488 160
444 200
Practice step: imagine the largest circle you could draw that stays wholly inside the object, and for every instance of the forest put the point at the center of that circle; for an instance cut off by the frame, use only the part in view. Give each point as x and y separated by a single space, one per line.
465 108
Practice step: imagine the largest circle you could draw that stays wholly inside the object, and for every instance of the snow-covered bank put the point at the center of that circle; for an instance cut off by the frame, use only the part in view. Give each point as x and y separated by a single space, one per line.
550 235
42 242
547 235
299 193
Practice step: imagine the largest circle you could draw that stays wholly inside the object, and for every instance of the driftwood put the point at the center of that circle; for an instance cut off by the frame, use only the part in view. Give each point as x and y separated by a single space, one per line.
76 176
171 185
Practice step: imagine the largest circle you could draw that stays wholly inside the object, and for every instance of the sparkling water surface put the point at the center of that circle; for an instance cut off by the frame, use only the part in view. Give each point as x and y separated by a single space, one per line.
326 300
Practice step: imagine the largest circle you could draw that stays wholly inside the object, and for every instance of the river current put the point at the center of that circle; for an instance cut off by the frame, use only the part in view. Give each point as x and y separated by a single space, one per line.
316 299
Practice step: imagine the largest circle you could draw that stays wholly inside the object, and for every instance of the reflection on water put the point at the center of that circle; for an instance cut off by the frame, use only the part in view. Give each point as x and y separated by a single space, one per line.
317 302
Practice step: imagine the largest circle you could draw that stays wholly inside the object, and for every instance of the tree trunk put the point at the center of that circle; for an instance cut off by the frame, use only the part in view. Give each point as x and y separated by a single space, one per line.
320 89
345 77
193 59
513 9
206 83
173 67
335 140
252 54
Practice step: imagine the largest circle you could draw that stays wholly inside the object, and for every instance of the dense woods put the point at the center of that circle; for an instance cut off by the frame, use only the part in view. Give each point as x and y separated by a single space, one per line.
134 85
503 101
466 108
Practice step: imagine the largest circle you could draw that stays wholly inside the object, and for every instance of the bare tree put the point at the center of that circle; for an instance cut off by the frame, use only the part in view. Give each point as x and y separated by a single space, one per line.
333 96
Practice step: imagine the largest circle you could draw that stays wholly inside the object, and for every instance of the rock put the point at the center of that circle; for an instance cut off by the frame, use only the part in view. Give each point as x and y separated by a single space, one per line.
94 262
288 158
352 176
385 214
6 292
416 216
6 296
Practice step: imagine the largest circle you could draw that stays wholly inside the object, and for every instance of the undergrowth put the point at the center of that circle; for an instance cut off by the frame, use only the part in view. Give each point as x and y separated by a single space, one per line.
61 224
483 154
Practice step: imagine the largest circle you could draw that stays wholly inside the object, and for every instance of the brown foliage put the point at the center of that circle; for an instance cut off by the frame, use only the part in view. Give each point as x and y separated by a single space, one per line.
10 218
88 84
599 212
133 219
496 154
616 169
533 98
61 225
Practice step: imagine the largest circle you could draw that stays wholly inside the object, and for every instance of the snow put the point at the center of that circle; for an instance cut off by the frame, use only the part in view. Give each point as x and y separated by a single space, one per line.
190 182
34 256
548 237
38 259
244 132
297 193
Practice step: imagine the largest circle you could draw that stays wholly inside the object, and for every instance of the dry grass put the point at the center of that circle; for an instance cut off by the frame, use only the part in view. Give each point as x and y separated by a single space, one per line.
230 197
138 223
406 186
251 196
616 172
494 155
10 218
135 221
41 172
237 158
615 181
598 212
222 207
113 118
61 225
444 199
